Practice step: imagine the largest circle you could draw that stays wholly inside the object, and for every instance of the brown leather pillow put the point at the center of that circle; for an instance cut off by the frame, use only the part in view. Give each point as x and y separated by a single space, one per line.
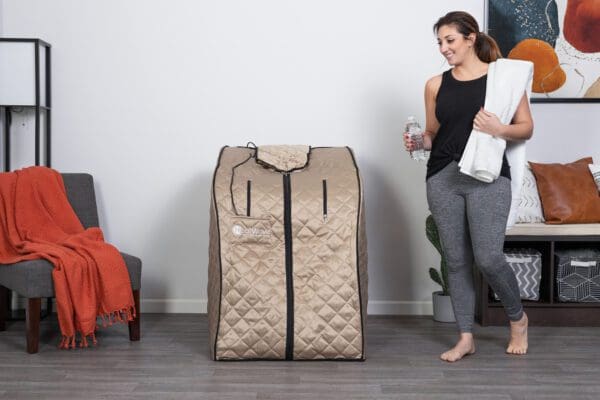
568 192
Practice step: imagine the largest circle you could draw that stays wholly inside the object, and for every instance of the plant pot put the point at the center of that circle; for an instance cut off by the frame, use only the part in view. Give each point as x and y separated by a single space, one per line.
442 308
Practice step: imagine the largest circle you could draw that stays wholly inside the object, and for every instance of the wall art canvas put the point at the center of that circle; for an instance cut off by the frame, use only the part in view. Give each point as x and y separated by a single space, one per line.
560 37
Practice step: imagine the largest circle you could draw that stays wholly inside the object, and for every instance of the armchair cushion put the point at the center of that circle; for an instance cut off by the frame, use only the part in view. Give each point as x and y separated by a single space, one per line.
33 278
30 279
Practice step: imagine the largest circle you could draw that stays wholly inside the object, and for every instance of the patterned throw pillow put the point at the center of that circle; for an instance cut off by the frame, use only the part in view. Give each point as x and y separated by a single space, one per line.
530 206
595 170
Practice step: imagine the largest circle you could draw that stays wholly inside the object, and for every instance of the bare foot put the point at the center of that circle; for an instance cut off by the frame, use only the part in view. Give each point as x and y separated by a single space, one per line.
518 336
464 347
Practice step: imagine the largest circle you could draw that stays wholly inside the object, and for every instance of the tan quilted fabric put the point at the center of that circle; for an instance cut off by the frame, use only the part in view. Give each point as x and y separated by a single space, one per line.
247 290
214 280
283 157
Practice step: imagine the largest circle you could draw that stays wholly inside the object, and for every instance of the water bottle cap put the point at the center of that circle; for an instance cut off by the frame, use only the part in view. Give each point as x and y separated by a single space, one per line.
412 119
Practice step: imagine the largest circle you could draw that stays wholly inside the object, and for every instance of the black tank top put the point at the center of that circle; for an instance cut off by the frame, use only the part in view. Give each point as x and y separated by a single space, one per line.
456 105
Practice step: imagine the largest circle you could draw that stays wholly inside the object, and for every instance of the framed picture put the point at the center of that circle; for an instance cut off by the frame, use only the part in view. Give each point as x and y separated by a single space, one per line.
560 37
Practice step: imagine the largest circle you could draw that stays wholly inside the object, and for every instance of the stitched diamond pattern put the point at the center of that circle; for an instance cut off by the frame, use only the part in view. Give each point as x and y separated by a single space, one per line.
326 303
327 309
253 303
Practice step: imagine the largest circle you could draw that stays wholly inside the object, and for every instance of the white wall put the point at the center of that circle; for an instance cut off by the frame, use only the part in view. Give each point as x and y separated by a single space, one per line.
146 93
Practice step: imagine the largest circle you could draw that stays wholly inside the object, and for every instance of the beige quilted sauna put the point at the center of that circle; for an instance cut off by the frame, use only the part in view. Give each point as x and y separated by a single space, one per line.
287 273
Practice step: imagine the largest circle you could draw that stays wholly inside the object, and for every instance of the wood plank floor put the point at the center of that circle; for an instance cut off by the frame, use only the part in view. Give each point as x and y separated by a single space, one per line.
171 362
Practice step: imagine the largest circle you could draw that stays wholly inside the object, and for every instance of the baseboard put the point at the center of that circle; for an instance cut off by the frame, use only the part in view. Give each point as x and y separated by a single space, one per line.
382 307
198 306
174 306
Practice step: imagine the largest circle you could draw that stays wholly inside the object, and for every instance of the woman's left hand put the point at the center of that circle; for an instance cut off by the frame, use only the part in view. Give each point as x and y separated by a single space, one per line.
488 122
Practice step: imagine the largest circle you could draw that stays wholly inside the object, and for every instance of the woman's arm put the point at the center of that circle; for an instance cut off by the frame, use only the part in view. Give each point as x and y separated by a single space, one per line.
431 123
520 128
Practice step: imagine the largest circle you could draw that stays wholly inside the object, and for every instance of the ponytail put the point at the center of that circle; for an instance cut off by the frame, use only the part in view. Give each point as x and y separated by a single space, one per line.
486 48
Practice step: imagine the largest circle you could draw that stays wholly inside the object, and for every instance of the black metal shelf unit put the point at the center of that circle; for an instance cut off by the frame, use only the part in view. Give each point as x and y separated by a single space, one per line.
42 104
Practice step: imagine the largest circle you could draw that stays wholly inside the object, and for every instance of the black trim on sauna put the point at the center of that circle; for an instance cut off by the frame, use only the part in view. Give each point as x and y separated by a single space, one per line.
214 200
248 197
362 321
289 270
325 199
233 207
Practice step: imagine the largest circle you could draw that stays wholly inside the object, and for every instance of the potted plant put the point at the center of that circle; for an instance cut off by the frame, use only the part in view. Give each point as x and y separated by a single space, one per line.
442 305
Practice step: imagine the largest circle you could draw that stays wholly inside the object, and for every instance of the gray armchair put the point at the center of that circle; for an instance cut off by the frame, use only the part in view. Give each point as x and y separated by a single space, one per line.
33 279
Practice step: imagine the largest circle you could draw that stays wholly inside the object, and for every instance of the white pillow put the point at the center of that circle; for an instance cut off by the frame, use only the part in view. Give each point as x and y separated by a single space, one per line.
530 205
595 170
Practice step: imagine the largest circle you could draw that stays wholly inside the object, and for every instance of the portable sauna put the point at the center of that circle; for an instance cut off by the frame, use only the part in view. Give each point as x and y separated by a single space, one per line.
287 275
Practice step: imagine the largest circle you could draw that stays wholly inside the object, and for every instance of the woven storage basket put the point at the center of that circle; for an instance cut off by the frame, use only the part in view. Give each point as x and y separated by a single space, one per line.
527 266
578 275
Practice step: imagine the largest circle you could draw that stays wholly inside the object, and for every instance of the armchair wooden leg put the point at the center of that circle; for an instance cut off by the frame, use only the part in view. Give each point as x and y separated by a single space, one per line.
49 306
32 317
3 307
134 326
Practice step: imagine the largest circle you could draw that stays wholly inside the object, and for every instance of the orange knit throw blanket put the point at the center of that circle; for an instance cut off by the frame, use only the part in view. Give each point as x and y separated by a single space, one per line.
90 276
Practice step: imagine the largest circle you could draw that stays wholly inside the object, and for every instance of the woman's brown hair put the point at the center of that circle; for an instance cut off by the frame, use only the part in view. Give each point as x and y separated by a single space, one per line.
486 48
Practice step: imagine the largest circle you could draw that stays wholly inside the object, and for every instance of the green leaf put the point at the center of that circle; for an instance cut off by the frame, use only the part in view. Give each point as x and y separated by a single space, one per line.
432 233
435 276
444 270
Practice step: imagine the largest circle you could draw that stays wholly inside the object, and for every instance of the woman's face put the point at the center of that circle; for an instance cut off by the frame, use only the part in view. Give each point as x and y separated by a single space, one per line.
453 45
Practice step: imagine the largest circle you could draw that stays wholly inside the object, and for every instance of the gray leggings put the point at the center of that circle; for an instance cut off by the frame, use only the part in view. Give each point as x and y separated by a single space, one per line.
471 219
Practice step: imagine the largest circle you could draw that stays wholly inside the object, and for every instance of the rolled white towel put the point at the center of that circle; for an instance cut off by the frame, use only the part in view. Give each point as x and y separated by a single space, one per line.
507 81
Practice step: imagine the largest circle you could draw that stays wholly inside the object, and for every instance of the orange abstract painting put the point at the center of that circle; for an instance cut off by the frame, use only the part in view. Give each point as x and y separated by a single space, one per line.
560 37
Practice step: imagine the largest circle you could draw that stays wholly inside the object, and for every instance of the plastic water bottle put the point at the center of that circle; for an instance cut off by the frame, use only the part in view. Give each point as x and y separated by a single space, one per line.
416 135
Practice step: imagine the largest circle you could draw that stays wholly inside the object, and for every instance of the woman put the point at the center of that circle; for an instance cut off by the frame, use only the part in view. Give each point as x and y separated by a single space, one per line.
470 215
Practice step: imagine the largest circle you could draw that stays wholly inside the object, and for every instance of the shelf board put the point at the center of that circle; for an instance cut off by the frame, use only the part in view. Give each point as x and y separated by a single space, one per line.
537 304
556 239
546 316
22 106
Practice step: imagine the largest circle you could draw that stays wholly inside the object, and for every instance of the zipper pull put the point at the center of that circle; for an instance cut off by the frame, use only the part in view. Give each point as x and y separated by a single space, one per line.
325 200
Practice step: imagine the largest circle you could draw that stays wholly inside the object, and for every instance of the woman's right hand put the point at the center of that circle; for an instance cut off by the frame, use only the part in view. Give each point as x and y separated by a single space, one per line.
409 145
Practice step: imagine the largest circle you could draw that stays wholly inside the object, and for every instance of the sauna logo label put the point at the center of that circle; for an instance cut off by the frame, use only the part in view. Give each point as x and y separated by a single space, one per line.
239 230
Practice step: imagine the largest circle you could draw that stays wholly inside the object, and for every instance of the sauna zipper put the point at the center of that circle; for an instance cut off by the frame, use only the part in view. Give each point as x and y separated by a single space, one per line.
248 197
324 200
287 224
